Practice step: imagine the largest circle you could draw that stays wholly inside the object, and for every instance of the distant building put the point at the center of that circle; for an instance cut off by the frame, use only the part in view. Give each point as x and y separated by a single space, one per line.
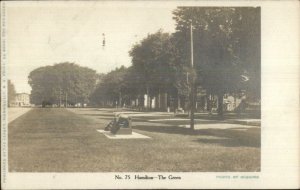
21 99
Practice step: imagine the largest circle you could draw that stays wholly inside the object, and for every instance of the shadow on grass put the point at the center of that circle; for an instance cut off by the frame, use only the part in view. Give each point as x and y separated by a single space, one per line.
232 137
104 115
229 116
231 142
249 137
84 109
178 122
106 118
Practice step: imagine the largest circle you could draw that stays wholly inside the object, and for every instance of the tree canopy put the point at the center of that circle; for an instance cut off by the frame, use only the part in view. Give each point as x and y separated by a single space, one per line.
226 43
153 61
225 47
50 83
110 86
11 92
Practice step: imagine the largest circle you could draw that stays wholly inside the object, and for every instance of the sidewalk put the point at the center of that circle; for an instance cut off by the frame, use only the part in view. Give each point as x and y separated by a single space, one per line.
253 122
15 112
230 118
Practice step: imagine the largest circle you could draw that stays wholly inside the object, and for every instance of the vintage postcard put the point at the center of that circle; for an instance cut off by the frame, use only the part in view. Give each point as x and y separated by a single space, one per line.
149 94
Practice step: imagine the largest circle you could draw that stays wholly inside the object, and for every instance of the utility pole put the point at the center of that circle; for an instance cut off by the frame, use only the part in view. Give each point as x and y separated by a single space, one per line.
192 95
120 98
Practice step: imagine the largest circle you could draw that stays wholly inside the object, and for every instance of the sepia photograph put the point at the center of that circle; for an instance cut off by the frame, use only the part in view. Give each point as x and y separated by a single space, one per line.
139 92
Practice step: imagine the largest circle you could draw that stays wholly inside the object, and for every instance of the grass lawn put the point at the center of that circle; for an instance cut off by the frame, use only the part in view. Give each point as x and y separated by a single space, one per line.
57 140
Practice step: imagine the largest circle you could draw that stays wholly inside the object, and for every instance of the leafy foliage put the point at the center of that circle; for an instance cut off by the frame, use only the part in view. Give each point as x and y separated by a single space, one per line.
11 92
226 47
154 59
226 43
109 87
223 44
49 84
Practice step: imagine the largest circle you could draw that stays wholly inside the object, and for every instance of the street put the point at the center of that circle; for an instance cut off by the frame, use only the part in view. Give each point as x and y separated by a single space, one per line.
66 140
15 112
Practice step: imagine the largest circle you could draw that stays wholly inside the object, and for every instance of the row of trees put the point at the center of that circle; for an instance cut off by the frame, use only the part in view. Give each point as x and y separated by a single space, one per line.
226 58
151 72
66 83
226 43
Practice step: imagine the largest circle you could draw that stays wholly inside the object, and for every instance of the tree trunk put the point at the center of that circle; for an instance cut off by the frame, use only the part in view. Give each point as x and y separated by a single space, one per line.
120 99
220 105
159 107
235 104
148 97
140 102
193 96
178 102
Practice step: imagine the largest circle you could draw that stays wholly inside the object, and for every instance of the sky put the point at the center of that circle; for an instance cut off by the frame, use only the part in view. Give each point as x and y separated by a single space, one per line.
45 33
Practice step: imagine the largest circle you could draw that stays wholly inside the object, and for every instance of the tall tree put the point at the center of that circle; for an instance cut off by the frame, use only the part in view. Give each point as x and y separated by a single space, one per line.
64 81
220 45
111 88
11 92
153 60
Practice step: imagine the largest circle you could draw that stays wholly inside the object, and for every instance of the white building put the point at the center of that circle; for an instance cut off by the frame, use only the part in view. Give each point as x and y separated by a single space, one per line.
21 99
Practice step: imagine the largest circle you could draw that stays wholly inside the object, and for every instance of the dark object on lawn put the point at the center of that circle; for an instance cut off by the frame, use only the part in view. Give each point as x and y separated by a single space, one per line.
121 124
110 125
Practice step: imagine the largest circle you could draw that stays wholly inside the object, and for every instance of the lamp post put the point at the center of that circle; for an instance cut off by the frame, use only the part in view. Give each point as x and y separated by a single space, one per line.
192 95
